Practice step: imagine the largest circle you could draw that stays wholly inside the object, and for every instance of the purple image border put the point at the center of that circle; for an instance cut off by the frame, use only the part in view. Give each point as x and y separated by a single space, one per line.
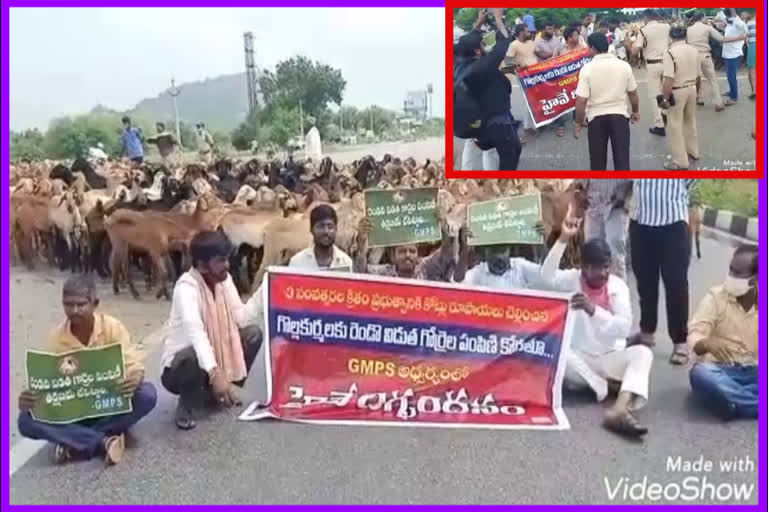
291 3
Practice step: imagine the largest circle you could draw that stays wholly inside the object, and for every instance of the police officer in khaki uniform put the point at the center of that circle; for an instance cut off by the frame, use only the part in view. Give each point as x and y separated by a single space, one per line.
699 34
654 40
682 78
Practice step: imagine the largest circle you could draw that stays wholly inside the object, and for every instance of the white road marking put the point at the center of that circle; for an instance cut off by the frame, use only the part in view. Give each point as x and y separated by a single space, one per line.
22 451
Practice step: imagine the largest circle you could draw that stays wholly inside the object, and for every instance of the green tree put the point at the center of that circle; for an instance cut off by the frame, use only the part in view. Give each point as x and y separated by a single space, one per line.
248 131
283 126
299 78
27 145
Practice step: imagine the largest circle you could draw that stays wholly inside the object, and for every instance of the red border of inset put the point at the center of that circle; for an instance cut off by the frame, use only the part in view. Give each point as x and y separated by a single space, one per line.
450 172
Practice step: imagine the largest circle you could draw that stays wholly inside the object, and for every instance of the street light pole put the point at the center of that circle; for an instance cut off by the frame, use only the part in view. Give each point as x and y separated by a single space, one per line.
175 91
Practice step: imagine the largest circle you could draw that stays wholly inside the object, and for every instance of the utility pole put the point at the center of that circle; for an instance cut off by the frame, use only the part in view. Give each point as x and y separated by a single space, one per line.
341 120
175 91
301 120
371 110
429 92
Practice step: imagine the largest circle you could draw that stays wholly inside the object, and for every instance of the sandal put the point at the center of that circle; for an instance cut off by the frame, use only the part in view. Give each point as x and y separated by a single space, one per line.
679 356
61 454
641 339
720 108
624 424
729 103
184 418
114 447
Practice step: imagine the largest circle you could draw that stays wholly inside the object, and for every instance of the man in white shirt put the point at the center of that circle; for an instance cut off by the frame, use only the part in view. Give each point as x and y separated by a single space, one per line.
499 270
323 253
732 54
312 146
213 339
598 354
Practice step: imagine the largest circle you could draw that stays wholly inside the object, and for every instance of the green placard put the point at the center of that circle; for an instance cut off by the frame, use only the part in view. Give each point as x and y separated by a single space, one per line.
510 220
402 216
340 269
77 385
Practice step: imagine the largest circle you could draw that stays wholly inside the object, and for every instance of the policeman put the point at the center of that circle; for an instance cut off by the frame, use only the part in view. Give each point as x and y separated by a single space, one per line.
699 34
682 78
654 40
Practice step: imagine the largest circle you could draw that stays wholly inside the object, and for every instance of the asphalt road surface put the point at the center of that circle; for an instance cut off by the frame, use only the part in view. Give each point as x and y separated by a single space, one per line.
228 461
725 142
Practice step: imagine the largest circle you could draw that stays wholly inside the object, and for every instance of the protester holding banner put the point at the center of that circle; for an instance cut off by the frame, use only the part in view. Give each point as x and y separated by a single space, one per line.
500 270
213 341
547 46
85 328
572 41
723 335
598 352
323 253
438 266
605 83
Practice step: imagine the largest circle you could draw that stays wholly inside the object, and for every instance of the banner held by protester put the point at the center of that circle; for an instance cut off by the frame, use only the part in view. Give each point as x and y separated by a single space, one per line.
550 86
376 350
402 216
77 385
509 220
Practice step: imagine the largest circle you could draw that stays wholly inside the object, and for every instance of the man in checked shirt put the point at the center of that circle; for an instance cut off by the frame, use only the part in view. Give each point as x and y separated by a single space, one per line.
438 266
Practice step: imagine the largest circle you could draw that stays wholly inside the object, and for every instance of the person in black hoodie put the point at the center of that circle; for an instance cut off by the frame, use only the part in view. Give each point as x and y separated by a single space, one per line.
491 89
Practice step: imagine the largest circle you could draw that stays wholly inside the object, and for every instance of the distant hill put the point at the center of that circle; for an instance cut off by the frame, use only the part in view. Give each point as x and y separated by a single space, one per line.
221 103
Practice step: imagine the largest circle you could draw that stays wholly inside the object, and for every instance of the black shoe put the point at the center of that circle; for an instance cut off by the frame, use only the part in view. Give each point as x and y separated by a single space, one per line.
752 96
658 131
185 418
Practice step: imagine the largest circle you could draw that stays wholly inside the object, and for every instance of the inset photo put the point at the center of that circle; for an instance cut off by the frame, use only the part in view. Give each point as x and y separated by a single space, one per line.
552 89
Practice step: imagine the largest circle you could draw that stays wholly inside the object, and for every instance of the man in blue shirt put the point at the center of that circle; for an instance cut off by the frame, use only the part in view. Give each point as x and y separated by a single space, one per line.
133 148
528 20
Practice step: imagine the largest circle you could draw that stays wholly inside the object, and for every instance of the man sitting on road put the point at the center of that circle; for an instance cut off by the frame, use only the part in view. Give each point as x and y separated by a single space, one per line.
599 354
213 340
723 335
499 270
406 262
323 253
86 328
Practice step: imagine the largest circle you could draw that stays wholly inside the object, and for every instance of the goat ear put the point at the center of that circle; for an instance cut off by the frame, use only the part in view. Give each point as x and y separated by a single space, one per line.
61 200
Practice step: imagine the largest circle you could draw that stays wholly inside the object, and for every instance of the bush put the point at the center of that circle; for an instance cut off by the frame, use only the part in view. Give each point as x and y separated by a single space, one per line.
27 145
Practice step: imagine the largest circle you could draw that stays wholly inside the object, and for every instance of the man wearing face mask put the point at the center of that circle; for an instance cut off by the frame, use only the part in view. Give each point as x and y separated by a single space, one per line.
407 263
599 356
723 335
500 270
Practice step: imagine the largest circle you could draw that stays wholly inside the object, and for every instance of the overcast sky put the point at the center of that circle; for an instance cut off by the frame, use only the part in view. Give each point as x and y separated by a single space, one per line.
65 61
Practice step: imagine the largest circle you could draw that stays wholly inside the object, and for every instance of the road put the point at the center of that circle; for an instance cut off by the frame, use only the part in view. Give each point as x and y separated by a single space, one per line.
227 461
725 142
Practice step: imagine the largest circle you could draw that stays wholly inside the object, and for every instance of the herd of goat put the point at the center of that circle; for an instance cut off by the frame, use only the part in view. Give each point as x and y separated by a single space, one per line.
113 218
